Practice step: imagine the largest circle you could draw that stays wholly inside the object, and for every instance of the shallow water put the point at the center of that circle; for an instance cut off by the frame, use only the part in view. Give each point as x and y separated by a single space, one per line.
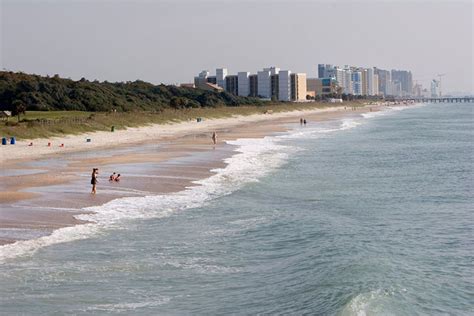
366 216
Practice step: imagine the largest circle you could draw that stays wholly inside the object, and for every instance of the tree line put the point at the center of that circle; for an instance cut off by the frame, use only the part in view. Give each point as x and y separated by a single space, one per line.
20 92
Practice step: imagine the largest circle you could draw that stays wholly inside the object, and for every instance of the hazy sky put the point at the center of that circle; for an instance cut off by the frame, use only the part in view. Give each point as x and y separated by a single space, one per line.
171 41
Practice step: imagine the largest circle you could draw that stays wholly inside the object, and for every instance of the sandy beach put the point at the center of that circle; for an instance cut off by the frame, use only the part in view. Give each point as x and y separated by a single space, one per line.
43 188
134 136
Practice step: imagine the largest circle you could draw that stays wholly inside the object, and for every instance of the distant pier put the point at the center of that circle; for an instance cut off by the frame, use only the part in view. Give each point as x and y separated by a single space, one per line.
436 100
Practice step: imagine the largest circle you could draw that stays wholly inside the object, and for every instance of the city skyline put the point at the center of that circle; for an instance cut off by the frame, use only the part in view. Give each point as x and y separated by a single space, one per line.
162 41
331 81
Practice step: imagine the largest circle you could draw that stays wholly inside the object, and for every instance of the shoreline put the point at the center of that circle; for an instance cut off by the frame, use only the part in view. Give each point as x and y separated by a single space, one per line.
184 142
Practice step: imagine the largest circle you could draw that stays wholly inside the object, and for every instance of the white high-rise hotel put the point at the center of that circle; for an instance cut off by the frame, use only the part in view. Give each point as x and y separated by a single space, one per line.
370 82
264 84
352 80
269 83
284 85
243 83
221 73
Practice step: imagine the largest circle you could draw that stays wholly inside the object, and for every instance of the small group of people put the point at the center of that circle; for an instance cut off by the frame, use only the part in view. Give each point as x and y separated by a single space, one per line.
302 121
114 177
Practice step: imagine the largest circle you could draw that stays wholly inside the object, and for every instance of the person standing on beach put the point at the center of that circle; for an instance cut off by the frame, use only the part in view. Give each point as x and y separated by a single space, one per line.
301 121
95 171
214 138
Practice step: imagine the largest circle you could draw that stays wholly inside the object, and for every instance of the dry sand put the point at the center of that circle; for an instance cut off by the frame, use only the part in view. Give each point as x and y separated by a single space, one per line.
151 133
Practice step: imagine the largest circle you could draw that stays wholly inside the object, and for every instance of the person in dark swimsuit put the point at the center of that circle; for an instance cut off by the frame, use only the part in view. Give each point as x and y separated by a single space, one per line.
95 171
214 138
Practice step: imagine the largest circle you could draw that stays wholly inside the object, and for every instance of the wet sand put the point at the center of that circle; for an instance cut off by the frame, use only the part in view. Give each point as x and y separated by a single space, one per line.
40 195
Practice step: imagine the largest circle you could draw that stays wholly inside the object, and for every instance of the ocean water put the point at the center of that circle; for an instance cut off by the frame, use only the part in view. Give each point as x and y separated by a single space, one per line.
369 215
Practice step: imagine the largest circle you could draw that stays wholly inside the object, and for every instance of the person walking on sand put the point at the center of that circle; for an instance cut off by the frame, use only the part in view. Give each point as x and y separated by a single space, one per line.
301 121
95 171
304 122
214 138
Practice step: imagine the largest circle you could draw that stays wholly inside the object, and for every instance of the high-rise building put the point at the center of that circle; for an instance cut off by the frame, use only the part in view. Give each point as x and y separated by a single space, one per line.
321 86
376 85
273 70
357 82
264 84
205 82
268 86
201 78
348 87
244 84
417 90
212 79
363 82
274 86
313 85
321 70
284 85
405 79
434 88
340 77
326 71
370 81
221 73
232 84
397 88
204 74
298 87
385 81
253 86
388 88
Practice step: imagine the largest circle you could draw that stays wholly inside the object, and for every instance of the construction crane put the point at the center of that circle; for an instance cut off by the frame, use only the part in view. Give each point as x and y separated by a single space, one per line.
439 76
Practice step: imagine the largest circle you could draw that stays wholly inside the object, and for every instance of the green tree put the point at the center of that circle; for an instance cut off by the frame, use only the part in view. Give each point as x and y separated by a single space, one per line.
56 93
19 107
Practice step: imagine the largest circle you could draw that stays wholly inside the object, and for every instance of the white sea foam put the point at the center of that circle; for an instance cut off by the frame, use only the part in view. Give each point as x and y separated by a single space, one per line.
344 124
239 226
376 302
309 132
349 123
254 159
58 236
200 266
391 110
126 307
